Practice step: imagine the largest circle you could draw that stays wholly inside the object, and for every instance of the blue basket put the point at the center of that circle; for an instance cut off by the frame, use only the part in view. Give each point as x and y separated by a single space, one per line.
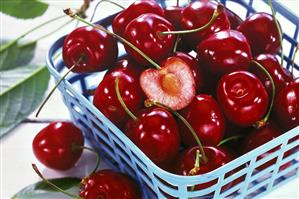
122 154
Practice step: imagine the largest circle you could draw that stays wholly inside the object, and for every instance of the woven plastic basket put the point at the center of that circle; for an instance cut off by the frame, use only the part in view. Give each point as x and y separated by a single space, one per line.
122 154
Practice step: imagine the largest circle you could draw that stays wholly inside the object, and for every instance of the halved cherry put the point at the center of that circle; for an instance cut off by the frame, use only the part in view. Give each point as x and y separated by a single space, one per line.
173 85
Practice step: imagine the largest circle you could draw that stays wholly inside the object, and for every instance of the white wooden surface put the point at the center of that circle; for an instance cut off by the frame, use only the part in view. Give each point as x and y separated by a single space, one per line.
16 152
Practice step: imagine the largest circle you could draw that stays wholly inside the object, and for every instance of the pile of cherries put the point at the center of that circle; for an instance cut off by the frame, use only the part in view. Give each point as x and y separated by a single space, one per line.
215 76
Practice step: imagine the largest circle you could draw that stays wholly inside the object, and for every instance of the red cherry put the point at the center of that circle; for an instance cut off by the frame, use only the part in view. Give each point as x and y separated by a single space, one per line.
199 13
280 76
286 107
105 98
216 156
225 52
97 50
262 34
173 85
206 118
144 33
109 184
156 133
242 97
54 146
174 14
133 11
233 18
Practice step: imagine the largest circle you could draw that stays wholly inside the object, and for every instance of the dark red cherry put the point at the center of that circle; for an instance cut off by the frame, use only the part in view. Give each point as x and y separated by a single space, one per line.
233 18
243 98
105 98
174 14
109 184
286 107
262 33
57 146
133 11
280 76
206 118
199 13
225 52
216 156
156 133
97 50
144 32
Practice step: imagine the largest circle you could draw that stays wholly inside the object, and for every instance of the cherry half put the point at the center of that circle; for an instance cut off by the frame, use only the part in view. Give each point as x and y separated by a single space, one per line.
243 98
57 146
97 49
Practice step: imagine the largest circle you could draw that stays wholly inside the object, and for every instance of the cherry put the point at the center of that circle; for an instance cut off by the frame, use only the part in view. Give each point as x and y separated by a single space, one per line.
206 118
217 157
242 97
133 11
286 106
105 98
155 132
224 52
233 18
280 76
57 146
262 34
145 33
172 85
198 14
97 50
174 14
109 184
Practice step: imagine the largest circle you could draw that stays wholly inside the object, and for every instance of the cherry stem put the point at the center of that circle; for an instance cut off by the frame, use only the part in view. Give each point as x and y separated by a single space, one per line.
278 29
121 39
55 87
177 3
216 13
222 142
9 44
150 103
74 147
52 184
121 101
196 167
262 122
293 59
102 1
177 41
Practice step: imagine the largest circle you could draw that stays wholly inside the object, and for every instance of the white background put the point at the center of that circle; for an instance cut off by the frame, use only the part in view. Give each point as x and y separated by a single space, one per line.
16 153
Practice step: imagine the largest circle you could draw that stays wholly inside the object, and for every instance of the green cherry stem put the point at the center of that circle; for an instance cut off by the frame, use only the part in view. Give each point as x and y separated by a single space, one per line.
102 1
216 13
177 41
121 101
6 46
121 39
278 29
150 103
177 3
293 59
196 167
52 184
262 122
55 87
229 139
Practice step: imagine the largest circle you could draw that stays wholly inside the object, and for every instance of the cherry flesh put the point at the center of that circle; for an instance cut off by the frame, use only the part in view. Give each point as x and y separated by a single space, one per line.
156 133
96 49
199 13
57 146
262 34
133 11
243 98
105 98
144 32
280 76
286 106
224 52
109 184
206 118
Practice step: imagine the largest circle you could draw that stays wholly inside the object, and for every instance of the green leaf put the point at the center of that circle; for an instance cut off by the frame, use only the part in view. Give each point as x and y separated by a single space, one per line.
16 54
21 91
43 190
23 9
